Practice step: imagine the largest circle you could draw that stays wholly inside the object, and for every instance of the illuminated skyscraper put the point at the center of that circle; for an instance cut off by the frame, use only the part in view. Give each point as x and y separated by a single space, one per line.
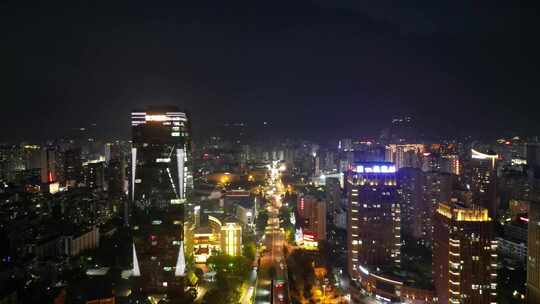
374 224
437 189
160 180
49 164
464 254
482 178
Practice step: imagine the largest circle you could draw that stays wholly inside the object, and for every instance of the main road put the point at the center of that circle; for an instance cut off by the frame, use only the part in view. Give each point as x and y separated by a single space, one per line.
274 240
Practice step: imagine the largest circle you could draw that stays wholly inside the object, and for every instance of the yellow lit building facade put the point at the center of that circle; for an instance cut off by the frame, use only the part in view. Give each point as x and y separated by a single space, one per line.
464 254
231 238
214 237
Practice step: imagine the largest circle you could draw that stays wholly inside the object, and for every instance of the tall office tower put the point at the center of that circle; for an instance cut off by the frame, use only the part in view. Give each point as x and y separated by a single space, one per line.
450 164
317 165
94 175
31 156
113 151
333 193
482 178
116 177
312 212
73 167
464 254
437 189
49 164
374 223
160 180
411 182
533 253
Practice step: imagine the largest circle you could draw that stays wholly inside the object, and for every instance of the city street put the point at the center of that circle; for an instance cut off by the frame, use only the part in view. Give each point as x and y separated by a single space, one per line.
274 241
246 298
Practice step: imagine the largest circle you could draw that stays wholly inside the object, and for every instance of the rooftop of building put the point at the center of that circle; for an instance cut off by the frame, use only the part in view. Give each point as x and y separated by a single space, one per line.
374 167
459 211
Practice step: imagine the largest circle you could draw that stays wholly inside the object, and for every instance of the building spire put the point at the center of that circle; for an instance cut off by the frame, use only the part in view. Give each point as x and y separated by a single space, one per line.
136 271
180 262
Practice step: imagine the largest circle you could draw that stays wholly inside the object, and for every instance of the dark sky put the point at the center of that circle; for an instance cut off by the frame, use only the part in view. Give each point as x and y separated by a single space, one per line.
310 68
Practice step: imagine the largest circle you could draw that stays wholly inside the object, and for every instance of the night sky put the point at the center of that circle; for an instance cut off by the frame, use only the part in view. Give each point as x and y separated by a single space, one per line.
310 68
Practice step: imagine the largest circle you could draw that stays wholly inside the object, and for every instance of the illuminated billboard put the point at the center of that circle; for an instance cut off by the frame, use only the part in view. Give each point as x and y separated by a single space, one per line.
376 168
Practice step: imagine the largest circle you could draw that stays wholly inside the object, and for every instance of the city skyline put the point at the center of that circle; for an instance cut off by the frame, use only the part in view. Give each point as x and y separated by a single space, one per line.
282 152
236 221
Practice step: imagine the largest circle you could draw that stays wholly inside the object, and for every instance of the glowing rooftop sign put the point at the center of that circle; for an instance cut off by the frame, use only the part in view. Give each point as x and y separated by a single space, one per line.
479 155
138 118
375 169
482 156
156 118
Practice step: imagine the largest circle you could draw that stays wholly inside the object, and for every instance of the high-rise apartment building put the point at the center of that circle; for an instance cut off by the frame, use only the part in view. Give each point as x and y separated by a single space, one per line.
374 217
451 164
405 155
312 212
464 254
73 167
160 179
116 177
411 182
437 189
94 175
533 253
49 164
31 156
482 179
532 152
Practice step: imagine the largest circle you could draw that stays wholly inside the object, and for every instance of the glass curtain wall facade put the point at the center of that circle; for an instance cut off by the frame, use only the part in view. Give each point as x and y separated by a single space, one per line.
160 181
